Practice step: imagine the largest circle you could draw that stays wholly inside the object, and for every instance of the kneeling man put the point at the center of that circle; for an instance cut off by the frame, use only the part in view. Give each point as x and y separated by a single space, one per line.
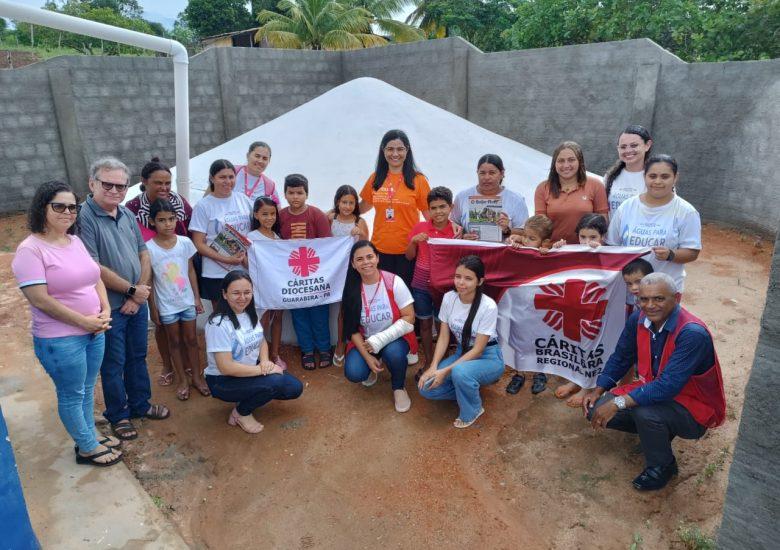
680 388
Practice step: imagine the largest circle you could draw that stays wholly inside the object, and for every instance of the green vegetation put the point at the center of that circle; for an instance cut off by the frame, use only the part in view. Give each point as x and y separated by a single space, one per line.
692 538
636 542
712 467
333 25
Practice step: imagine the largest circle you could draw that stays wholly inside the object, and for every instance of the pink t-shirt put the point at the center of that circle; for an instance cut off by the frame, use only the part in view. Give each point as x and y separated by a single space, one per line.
421 279
70 274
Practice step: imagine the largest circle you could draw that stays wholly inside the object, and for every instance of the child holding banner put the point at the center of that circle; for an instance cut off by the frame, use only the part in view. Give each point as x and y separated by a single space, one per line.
265 227
345 221
303 221
471 317
439 226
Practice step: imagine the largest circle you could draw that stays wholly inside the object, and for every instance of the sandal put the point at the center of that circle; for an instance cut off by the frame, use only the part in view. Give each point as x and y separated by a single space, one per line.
157 412
203 389
247 423
165 379
462 424
515 384
307 361
338 360
107 442
182 394
81 459
540 383
326 359
124 430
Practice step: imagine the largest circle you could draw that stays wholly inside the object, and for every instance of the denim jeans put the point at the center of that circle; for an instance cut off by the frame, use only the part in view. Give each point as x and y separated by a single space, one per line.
465 379
312 327
73 363
657 425
394 356
251 392
125 378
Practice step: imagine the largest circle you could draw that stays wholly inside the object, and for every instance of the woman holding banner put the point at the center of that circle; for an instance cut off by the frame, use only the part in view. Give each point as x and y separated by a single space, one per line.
213 213
399 192
661 219
471 317
378 323
569 193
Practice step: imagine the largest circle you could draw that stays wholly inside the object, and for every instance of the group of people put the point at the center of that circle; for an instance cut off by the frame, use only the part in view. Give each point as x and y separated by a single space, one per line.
92 291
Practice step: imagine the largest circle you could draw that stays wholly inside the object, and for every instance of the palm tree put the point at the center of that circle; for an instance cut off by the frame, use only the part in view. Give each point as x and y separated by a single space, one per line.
328 25
428 22
383 11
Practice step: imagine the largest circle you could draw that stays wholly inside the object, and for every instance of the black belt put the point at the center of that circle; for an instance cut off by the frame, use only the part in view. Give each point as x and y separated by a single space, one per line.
491 343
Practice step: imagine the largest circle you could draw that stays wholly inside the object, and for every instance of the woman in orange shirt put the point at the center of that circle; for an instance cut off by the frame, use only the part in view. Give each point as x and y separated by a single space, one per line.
569 193
565 196
399 192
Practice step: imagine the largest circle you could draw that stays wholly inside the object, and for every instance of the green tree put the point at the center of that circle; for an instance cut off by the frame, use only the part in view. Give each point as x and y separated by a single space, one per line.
212 17
328 25
482 22
383 12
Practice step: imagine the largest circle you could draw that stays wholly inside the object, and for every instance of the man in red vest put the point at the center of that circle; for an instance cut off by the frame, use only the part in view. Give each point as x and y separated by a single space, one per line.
680 388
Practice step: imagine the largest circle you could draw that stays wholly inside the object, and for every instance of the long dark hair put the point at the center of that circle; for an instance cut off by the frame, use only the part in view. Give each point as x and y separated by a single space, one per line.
217 166
150 168
474 264
409 169
223 309
615 170
351 300
36 214
259 203
554 179
342 192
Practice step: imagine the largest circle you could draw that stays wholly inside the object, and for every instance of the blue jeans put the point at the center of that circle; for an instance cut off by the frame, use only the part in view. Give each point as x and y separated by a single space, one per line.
73 363
394 356
424 308
312 327
125 379
251 392
465 379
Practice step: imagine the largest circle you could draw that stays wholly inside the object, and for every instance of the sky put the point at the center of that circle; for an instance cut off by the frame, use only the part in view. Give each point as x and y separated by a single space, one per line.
164 12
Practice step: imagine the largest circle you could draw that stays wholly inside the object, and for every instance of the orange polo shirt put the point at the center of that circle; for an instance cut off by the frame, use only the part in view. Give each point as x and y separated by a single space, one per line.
567 210
390 235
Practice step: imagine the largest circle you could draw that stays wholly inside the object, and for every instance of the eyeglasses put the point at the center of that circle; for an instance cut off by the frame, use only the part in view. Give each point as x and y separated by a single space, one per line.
61 207
108 186
391 150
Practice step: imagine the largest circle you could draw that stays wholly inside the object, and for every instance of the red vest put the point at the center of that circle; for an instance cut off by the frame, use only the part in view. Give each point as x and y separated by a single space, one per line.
702 395
387 279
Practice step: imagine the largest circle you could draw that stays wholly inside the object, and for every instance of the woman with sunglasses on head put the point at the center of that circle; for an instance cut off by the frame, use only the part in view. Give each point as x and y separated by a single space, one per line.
70 314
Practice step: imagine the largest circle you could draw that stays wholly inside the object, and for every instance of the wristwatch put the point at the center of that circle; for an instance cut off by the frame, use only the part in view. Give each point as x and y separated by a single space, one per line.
670 257
620 402
130 291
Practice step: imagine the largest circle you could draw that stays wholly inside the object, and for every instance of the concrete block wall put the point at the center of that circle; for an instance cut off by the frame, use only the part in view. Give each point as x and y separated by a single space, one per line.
30 151
719 119
752 508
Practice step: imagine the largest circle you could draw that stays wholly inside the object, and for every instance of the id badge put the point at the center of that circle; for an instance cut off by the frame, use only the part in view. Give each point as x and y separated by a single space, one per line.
389 214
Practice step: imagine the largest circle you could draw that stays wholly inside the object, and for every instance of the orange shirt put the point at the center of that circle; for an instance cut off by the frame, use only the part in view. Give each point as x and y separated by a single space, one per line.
567 210
390 235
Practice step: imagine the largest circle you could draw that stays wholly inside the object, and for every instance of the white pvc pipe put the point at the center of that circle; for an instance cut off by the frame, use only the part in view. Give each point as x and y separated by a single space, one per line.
181 61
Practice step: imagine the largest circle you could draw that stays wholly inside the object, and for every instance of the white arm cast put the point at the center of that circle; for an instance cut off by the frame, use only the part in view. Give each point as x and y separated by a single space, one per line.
393 332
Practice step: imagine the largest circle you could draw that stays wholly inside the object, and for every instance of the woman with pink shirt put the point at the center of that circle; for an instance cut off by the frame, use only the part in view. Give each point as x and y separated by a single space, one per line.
70 313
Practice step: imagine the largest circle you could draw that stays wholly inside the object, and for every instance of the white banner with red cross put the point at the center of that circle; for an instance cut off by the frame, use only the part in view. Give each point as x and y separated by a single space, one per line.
291 274
560 313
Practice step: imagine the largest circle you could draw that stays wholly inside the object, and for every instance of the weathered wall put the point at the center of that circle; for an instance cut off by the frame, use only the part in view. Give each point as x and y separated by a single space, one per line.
720 120
750 516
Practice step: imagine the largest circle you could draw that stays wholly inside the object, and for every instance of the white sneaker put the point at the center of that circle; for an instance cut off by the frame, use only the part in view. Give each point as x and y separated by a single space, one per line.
371 380
412 358
402 401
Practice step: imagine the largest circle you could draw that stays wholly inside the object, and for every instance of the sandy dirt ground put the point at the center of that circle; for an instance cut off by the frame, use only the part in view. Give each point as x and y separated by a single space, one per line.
339 468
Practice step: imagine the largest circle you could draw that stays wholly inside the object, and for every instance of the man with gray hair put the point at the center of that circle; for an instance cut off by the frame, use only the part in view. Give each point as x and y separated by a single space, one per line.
680 387
112 237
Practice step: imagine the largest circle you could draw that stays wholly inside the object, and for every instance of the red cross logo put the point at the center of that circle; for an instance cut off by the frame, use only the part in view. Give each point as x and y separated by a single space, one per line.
304 261
574 306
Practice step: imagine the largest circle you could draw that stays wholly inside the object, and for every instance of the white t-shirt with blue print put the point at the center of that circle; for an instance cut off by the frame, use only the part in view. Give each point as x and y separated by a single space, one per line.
243 343
673 225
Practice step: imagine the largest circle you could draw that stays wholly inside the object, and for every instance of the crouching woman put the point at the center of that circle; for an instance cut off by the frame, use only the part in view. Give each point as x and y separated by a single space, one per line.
378 323
238 367
471 317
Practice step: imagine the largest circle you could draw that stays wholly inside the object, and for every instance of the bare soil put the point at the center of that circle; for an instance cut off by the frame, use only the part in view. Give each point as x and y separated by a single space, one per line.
339 468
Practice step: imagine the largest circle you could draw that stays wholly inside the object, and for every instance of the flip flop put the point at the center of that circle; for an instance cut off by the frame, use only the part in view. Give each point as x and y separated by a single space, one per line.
338 360
183 394
165 379
124 430
80 459
157 412
204 389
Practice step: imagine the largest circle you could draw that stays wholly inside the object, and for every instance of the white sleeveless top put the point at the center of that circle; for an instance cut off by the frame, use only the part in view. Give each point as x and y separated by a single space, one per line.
341 229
